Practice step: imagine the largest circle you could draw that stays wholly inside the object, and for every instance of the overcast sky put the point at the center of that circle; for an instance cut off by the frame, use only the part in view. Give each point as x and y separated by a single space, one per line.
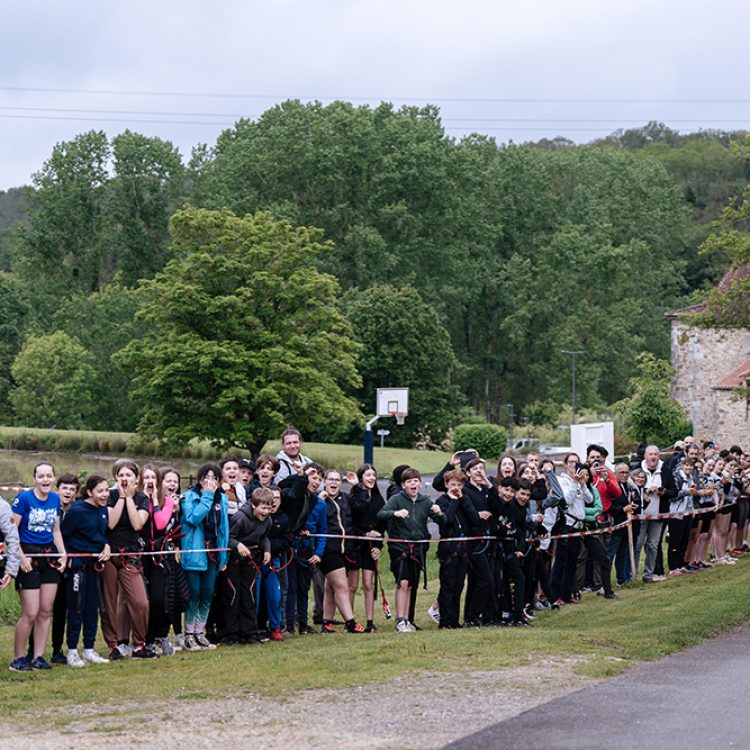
185 70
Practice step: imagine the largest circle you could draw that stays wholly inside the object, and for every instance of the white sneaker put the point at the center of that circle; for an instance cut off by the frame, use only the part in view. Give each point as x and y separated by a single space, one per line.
125 649
434 613
403 627
167 649
74 660
179 642
411 627
92 657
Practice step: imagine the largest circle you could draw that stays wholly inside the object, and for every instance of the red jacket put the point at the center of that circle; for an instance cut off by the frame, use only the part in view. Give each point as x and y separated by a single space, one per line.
608 489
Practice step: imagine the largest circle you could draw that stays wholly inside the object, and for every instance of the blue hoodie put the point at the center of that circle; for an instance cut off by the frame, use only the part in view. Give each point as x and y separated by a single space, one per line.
195 506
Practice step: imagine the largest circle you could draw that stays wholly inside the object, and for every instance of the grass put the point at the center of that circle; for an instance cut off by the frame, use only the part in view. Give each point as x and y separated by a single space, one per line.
606 637
345 457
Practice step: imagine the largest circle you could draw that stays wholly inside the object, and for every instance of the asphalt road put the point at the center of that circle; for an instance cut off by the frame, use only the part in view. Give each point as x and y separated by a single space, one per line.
697 698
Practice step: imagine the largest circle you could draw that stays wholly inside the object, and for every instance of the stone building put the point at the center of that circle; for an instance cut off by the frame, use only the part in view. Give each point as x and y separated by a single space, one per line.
712 364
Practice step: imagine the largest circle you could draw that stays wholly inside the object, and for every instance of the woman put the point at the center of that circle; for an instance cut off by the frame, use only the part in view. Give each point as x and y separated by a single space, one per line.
333 564
205 522
36 514
122 577
84 530
366 501
506 467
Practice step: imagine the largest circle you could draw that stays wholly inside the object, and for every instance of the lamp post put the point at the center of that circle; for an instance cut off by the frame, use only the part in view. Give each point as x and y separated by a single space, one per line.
573 355
509 407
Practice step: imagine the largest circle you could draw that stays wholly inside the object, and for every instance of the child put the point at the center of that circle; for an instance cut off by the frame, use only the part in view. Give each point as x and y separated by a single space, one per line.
84 530
249 544
270 581
407 512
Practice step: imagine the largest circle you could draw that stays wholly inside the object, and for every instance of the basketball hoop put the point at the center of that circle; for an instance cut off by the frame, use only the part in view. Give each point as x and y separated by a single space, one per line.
400 416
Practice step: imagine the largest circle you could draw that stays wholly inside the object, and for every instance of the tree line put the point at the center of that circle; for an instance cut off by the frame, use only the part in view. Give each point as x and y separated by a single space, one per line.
319 252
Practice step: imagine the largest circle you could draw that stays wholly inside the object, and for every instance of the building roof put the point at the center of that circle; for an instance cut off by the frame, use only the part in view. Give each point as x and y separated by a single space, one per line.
732 275
736 379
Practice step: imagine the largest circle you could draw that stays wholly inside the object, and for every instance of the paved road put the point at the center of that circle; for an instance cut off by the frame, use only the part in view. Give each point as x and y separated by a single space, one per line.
697 698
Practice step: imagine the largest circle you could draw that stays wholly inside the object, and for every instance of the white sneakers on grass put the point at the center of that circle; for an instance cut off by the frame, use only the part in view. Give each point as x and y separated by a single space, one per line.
89 657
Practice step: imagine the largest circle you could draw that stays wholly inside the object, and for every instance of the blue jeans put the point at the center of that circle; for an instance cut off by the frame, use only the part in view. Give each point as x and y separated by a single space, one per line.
268 587
619 552
201 584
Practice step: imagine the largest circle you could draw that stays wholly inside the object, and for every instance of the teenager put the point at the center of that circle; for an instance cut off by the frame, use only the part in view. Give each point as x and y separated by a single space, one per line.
36 514
334 562
366 501
269 585
407 513
205 522
84 530
247 471
68 488
122 577
250 548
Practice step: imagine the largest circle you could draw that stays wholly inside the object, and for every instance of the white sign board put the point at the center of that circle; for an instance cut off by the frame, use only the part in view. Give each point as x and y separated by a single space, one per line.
601 433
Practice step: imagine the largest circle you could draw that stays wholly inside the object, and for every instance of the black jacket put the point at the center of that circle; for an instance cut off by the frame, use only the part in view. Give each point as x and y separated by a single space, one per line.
245 528
460 517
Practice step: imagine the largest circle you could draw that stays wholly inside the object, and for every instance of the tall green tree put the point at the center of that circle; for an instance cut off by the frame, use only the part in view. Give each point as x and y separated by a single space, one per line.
53 384
405 344
246 335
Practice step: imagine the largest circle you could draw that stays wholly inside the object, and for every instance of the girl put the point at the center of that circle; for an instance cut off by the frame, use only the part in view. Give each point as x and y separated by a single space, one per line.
366 501
205 521
122 577
506 467
333 564
84 530
36 513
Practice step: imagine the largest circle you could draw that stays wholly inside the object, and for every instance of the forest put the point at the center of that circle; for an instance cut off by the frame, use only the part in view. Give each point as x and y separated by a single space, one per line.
459 268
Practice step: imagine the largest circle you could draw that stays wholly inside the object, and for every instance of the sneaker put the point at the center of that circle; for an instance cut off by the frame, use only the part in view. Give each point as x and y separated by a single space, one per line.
58 657
356 628
610 595
115 654
520 622
538 606
40 663
287 633
307 630
402 627
558 603
528 615
328 628
22 664
125 649
145 653
179 642
203 642
370 629
90 656
676 572
412 628
276 635
73 659
434 613
586 590
167 649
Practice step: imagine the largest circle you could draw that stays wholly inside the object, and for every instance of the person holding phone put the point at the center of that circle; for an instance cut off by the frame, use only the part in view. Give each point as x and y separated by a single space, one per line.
36 514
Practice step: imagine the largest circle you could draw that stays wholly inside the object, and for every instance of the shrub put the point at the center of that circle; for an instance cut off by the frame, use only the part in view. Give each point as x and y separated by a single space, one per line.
488 439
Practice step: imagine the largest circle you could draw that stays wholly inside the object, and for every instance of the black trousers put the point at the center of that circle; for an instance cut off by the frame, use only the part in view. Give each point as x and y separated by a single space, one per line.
239 615
82 588
536 572
297 596
156 588
598 554
59 616
679 536
452 576
513 570
480 599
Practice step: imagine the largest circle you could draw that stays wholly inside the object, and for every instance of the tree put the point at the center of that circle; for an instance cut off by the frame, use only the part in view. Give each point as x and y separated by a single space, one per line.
53 383
246 336
14 313
649 414
405 344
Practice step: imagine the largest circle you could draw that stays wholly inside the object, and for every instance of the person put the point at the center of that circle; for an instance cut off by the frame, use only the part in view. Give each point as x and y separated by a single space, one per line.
36 514
250 548
309 545
84 530
122 578
271 593
68 487
291 447
231 484
247 471
460 516
366 501
618 548
407 513
205 522
515 549
10 560
334 562
506 467
659 490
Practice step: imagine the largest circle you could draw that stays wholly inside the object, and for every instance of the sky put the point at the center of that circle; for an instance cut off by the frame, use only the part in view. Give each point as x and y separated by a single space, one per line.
519 71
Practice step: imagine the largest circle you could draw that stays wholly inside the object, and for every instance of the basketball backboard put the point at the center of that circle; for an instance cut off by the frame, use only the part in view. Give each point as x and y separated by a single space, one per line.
392 402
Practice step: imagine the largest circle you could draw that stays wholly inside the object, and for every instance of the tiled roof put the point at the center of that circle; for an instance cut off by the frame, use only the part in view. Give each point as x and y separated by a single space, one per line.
732 276
736 378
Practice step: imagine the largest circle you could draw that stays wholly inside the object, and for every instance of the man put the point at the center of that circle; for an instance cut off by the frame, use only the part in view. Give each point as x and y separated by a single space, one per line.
291 446
618 548
659 491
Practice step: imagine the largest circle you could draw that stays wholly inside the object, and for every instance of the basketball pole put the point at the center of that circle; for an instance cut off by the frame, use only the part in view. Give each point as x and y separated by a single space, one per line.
370 441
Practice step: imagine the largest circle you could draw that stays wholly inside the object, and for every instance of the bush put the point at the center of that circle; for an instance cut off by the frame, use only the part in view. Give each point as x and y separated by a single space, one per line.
488 439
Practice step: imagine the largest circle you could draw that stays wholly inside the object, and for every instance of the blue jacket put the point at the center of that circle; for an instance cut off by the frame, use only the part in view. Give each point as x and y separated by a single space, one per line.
317 523
195 507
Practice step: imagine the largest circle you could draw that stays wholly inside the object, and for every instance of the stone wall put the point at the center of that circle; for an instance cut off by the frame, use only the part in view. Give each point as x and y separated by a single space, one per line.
702 357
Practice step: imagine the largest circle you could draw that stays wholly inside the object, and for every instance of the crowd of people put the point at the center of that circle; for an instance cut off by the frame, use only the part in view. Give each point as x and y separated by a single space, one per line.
233 559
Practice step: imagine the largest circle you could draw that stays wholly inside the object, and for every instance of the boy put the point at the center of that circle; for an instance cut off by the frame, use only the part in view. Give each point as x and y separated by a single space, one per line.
247 471
407 513
460 515
249 545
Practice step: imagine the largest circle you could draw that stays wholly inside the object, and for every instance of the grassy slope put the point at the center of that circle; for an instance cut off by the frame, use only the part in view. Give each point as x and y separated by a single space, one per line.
647 622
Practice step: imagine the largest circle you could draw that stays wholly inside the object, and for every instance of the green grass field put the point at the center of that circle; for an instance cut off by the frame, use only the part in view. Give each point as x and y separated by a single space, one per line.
345 457
607 636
